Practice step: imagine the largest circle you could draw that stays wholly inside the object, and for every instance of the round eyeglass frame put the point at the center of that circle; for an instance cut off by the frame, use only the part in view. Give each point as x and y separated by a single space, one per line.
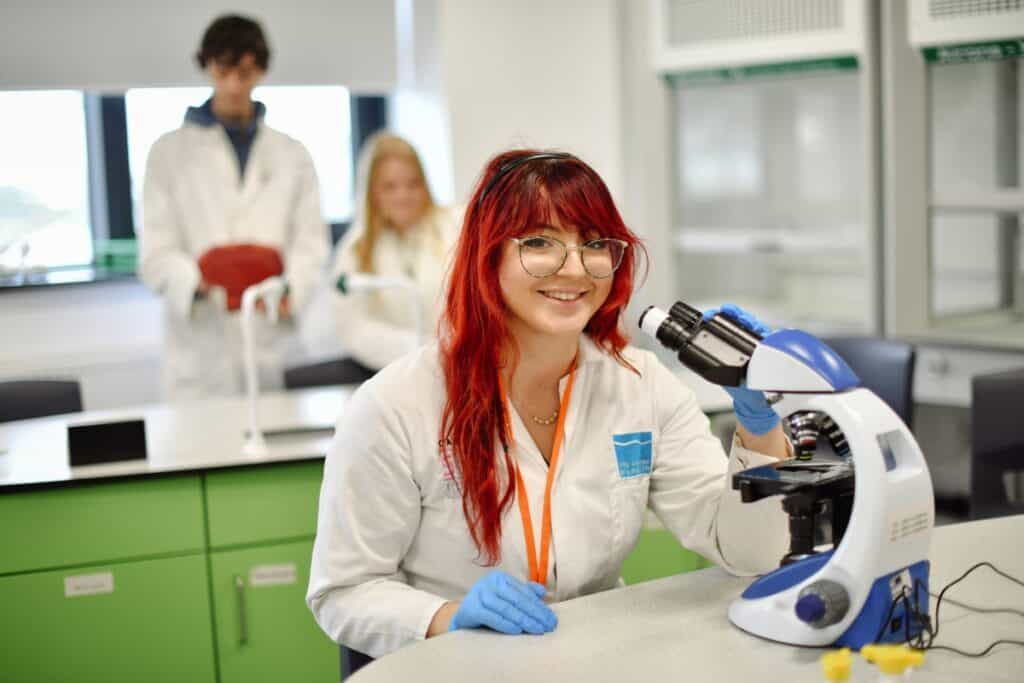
565 254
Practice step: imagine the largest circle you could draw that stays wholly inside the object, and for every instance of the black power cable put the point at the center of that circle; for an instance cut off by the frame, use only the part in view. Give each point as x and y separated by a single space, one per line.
925 638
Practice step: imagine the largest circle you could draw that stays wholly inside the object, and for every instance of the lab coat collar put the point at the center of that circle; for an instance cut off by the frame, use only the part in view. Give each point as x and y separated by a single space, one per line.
203 116
589 351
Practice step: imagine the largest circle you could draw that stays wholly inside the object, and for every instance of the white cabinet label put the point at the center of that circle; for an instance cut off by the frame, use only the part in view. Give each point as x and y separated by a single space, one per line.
88 584
272 574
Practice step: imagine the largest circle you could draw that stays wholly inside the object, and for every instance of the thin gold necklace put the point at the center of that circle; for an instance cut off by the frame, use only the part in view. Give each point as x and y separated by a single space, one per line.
546 421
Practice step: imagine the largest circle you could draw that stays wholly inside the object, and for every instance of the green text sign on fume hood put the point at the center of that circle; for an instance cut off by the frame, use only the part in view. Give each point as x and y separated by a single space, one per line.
739 73
975 52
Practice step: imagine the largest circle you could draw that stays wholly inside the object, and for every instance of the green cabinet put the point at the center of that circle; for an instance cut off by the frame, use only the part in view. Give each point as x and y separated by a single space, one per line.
100 522
258 504
111 581
132 621
264 630
658 554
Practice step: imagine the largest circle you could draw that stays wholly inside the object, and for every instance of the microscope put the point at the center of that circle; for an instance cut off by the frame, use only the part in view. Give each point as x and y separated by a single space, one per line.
875 492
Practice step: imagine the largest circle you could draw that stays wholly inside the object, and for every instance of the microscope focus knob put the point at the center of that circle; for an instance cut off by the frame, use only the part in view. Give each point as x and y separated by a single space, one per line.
822 603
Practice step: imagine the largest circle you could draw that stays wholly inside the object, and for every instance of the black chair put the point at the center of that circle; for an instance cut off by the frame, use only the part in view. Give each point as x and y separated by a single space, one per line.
997 441
884 366
327 373
25 399
352 661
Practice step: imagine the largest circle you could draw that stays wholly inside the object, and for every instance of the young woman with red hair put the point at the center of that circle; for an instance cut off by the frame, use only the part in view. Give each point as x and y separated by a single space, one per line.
475 481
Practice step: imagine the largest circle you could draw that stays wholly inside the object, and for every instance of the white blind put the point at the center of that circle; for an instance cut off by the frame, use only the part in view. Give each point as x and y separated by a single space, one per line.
110 45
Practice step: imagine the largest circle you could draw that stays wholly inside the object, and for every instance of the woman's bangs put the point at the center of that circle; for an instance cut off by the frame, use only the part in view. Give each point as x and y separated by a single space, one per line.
533 210
585 204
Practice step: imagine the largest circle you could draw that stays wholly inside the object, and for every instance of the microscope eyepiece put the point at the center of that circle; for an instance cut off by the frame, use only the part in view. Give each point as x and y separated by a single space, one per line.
663 327
685 313
717 349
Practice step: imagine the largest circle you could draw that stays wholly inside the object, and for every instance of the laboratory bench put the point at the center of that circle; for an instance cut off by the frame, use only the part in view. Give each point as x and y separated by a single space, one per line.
188 565
677 629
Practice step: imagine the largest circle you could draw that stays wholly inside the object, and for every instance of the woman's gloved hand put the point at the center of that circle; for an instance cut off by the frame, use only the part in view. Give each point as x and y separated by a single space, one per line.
751 406
506 604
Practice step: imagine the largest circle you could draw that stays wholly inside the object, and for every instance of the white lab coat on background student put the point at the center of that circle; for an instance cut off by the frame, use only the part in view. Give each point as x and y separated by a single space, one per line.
194 200
377 327
392 544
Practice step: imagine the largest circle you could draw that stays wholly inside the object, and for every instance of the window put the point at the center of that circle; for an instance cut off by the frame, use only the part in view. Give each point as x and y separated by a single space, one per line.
976 150
770 209
44 185
317 116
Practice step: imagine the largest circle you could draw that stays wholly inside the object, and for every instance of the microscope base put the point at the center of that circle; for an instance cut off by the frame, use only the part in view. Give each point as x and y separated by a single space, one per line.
768 607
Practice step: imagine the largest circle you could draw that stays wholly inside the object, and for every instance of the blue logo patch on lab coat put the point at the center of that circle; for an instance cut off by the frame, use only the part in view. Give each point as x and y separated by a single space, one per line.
633 452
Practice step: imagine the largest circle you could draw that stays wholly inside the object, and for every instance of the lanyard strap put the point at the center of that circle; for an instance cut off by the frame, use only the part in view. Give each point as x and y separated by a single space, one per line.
538 566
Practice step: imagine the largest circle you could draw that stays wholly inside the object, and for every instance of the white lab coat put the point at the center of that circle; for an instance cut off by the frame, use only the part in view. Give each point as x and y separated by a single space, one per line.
377 327
193 201
392 545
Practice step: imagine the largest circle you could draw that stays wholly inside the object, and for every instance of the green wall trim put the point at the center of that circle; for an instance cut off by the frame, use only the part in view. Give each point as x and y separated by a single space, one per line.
974 52
740 73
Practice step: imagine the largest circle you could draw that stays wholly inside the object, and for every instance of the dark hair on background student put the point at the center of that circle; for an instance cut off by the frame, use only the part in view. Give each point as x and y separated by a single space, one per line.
229 38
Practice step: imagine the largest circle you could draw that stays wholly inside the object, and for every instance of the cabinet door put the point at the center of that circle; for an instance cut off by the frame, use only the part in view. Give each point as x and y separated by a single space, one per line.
265 632
135 621
658 554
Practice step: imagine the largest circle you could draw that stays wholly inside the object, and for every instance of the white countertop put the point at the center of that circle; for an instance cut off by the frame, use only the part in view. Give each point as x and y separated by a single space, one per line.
676 629
197 435
207 434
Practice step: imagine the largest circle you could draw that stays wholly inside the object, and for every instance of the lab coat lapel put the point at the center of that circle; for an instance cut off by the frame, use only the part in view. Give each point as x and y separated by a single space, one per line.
525 448
387 256
215 188
257 174
579 391
430 263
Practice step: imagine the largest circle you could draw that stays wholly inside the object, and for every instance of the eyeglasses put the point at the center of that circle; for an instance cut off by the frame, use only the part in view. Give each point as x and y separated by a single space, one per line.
542 256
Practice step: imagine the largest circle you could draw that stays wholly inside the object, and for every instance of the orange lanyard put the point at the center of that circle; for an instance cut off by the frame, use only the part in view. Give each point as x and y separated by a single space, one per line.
538 566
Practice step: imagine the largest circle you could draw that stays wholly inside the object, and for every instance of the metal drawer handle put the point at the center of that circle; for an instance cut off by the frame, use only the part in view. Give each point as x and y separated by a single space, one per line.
243 625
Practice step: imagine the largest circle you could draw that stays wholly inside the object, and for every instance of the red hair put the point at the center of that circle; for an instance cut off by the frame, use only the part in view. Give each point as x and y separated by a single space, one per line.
525 194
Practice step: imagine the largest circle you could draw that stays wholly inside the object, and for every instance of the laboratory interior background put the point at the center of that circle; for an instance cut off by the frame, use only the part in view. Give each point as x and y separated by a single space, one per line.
848 167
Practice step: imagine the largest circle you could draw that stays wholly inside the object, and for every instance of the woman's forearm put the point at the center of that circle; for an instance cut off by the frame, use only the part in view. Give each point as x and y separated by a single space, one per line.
442 618
772 443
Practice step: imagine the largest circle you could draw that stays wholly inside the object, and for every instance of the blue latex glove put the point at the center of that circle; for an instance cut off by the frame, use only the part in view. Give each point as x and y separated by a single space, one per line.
506 604
751 406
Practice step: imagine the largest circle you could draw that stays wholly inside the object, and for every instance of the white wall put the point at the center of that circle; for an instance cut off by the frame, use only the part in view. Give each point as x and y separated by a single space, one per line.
575 75
418 107
647 141
107 335
533 73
